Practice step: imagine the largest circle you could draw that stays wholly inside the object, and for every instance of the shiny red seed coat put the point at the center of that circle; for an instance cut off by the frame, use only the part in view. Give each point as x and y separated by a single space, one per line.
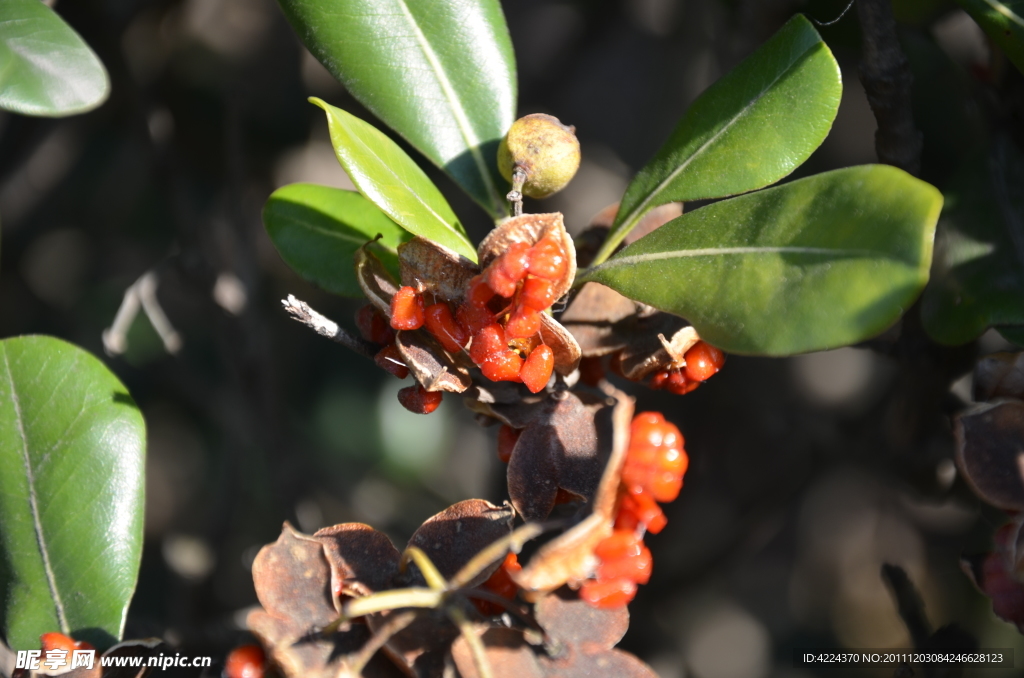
536 371
407 311
702 361
441 323
419 400
389 358
247 661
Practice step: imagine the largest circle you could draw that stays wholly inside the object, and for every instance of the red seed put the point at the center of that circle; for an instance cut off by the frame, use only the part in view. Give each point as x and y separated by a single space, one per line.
620 544
608 594
548 260
523 324
639 510
500 583
479 292
419 400
658 381
441 324
679 384
502 366
56 641
507 438
505 272
635 567
702 361
373 326
488 342
390 359
538 293
406 309
665 486
536 371
247 661
473 318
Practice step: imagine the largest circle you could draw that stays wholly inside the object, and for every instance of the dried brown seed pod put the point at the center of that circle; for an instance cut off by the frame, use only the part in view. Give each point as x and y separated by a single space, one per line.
545 149
429 267
531 229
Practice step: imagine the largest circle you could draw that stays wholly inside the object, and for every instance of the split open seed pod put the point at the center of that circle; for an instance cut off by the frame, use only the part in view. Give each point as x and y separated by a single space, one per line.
427 266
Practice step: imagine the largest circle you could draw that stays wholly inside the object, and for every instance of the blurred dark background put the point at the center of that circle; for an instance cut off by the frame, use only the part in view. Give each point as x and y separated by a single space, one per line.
807 473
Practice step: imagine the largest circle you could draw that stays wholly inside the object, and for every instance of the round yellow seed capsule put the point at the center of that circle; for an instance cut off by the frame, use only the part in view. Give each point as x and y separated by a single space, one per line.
545 149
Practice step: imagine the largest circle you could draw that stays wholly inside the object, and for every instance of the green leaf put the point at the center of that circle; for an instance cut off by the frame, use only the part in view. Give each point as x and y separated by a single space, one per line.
385 174
810 265
46 68
978 277
72 479
441 73
1004 24
748 130
1014 335
317 230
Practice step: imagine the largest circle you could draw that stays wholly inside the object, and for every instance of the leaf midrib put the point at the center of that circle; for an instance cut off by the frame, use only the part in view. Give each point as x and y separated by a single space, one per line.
461 119
1005 11
637 212
33 501
721 251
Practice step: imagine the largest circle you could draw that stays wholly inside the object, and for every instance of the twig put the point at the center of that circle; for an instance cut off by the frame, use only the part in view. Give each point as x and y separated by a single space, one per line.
887 80
141 294
325 327
909 604
396 623
476 647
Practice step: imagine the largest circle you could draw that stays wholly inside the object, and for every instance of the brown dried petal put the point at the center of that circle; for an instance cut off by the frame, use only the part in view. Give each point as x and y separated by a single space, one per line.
530 228
362 560
375 281
990 452
430 364
570 621
428 266
452 537
293 580
592 316
562 343
508 655
1000 375
569 558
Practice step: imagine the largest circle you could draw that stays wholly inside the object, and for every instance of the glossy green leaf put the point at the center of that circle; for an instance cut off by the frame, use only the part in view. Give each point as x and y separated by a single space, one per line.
46 68
441 73
748 130
1003 22
391 180
978 277
810 265
317 230
72 479
1013 334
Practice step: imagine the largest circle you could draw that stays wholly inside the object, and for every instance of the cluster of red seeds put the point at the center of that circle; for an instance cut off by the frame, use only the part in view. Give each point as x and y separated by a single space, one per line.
375 327
702 361
500 583
500 319
653 472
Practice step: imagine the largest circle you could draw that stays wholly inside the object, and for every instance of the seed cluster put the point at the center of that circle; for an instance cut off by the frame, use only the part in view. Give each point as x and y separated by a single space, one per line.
702 361
653 472
500 320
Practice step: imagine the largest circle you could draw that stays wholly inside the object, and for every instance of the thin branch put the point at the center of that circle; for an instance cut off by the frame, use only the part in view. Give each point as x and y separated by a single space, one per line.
326 327
396 623
140 295
476 647
909 604
887 80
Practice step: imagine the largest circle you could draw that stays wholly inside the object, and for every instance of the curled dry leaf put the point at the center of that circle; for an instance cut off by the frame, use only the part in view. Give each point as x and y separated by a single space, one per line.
375 281
1000 375
361 559
452 537
507 653
990 452
566 445
430 364
651 352
530 229
562 343
569 558
428 266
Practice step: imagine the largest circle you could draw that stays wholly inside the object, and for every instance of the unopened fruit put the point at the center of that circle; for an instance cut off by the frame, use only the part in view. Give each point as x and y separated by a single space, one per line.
545 149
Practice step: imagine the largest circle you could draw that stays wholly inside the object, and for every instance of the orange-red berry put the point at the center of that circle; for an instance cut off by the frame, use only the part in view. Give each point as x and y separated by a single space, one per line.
505 272
502 366
537 369
501 583
246 661
702 361
473 318
523 323
389 358
640 510
488 342
419 400
373 326
634 567
538 293
479 292
407 309
57 641
441 323
548 260
608 594
620 544
507 438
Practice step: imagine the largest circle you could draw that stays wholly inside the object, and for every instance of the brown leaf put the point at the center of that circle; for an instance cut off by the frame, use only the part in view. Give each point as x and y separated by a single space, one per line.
293 580
608 663
990 452
429 364
530 228
1000 375
375 281
362 560
453 536
570 621
428 266
419 648
569 557
508 655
